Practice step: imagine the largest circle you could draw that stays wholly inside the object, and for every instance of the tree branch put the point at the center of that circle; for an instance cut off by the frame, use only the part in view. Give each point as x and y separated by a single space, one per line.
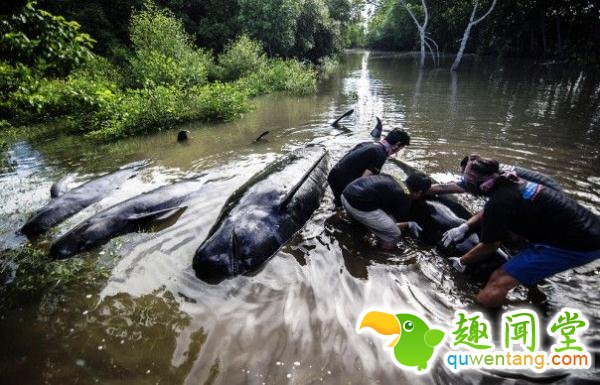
410 13
486 14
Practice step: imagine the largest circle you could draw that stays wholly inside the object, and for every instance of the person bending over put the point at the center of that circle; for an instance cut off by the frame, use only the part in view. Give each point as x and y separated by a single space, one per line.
363 160
522 172
382 203
562 234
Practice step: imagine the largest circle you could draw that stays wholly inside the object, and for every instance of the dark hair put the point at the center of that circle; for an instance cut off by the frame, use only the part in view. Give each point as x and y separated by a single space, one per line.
482 166
463 162
486 166
398 136
418 182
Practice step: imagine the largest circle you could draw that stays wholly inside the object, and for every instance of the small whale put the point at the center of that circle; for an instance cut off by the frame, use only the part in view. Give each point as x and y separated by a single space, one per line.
158 206
69 203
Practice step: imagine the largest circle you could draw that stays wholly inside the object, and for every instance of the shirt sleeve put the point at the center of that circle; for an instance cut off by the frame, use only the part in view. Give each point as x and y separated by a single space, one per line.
495 222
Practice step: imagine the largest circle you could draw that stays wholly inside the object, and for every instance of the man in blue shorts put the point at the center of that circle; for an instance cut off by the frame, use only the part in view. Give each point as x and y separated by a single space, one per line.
562 234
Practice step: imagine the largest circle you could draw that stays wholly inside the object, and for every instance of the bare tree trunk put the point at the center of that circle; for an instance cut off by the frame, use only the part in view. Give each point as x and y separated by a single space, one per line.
465 38
558 37
421 27
543 26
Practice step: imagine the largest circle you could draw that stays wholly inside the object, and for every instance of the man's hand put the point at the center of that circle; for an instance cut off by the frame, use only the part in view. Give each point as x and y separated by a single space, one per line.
414 228
455 234
457 264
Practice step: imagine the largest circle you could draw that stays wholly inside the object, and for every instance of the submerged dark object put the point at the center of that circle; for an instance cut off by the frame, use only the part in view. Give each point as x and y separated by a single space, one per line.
376 132
262 215
439 214
261 136
182 135
346 114
66 204
151 208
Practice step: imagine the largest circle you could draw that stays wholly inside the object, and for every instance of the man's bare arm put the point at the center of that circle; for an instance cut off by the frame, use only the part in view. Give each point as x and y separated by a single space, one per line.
445 188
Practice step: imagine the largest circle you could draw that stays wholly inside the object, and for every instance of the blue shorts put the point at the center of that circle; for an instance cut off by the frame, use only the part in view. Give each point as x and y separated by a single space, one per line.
539 261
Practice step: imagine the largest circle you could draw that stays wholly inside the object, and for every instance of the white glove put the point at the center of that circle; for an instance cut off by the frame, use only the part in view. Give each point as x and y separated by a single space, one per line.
454 234
457 264
414 228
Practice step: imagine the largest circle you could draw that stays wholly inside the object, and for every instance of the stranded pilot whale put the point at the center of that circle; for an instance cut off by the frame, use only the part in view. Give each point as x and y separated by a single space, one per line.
66 204
153 207
262 215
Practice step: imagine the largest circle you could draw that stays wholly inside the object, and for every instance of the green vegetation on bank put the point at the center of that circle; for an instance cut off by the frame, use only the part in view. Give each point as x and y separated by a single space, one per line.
50 71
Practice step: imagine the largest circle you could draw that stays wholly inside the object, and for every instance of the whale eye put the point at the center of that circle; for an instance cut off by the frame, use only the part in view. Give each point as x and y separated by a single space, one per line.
408 326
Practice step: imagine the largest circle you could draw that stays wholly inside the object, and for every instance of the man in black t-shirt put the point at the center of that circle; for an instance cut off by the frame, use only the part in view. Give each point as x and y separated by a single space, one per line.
562 233
382 203
363 160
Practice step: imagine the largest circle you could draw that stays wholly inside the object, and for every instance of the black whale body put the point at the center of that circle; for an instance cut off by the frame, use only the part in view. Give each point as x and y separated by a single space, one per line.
262 215
152 207
66 204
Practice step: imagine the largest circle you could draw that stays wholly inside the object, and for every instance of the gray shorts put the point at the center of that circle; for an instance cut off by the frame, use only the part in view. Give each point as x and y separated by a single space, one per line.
377 221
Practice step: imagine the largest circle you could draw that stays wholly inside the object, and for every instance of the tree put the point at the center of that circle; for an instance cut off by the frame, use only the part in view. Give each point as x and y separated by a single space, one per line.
472 22
422 28
39 39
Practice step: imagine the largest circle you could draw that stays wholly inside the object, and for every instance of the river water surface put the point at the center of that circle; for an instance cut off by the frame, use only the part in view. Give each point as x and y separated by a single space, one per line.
150 321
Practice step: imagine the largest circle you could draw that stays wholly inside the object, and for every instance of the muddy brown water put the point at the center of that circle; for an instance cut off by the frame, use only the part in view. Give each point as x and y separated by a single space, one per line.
150 321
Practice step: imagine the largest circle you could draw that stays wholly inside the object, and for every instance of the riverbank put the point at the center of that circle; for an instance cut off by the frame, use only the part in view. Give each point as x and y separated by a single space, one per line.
164 81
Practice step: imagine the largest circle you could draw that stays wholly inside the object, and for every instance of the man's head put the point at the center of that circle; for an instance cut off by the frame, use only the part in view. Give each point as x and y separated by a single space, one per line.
478 171
418 184
397 138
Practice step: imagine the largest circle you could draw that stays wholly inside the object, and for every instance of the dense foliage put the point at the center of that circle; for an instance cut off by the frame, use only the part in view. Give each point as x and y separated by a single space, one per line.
303 29
555 29
162 80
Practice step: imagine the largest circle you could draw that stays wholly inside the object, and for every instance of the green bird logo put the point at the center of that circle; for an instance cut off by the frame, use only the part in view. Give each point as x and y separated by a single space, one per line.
414 343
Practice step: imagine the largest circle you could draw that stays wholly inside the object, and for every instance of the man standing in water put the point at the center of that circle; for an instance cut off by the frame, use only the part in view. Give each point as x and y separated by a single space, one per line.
363 160
382 203
562 233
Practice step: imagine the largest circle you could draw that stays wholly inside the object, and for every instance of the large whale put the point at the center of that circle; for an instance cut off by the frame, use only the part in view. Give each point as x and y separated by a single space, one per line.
151 208
66 204
262 215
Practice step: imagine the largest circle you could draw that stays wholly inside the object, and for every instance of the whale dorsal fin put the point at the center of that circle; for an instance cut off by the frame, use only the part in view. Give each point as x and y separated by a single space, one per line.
290 194
62 186
376 132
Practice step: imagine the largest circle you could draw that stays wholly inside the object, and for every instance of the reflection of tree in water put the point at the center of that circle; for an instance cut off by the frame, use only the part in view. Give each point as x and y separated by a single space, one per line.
137 337
124 338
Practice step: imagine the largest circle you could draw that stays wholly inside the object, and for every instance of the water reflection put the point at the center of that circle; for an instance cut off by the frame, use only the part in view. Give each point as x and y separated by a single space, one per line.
294 320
